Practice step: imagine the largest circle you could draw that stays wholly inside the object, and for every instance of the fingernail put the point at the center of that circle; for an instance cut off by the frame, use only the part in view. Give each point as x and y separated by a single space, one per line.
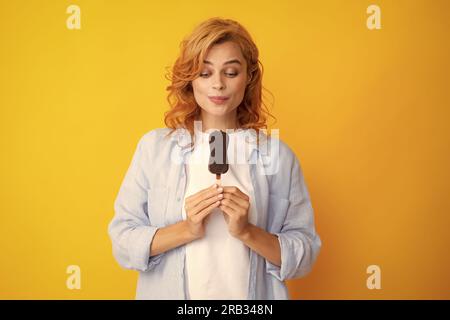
220 189
215 185
220 196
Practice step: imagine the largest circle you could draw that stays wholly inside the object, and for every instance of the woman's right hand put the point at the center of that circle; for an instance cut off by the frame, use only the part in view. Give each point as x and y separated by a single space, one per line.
199 205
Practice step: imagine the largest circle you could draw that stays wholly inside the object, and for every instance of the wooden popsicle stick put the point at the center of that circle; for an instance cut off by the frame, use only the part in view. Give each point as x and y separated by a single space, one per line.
218 180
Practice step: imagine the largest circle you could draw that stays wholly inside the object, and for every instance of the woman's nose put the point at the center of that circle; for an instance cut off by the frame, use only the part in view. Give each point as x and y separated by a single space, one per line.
218 83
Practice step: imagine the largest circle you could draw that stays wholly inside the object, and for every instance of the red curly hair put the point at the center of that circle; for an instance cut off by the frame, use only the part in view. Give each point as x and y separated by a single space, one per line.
252 113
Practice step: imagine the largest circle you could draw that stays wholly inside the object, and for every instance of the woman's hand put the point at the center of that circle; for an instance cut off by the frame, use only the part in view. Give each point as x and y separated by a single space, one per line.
198 206
235 205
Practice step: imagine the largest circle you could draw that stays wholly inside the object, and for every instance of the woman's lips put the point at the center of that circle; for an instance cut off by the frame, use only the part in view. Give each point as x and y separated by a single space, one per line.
218 100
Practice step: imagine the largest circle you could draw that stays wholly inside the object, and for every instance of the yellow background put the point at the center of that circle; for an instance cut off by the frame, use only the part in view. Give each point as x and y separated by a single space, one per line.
366 111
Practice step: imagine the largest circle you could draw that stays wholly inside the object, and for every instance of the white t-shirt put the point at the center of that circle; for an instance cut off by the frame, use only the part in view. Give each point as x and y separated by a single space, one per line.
217 265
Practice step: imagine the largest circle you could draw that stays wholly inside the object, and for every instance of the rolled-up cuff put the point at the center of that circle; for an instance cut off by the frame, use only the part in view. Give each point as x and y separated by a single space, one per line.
291 255
139 246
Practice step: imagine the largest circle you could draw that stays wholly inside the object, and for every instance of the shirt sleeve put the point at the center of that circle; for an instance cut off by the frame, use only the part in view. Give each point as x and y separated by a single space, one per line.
130 230
299 243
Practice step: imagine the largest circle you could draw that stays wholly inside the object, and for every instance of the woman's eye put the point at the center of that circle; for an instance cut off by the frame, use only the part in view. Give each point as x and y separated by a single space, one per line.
228 74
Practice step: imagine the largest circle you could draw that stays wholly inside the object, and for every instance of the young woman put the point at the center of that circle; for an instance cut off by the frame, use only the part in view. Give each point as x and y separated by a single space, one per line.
189 236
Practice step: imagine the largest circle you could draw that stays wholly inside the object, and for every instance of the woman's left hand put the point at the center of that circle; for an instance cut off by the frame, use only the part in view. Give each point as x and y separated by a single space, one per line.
235 205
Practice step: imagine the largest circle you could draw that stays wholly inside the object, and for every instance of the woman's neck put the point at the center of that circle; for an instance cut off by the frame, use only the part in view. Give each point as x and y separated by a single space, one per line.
218 123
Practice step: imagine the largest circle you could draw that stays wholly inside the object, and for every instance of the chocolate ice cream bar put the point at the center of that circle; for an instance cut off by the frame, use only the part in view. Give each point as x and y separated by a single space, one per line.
218 144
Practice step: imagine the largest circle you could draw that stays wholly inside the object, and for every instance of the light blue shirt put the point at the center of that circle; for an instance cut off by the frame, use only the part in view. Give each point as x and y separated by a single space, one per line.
151 197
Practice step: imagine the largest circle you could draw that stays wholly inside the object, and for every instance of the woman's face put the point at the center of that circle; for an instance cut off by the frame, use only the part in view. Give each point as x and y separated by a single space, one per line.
223 75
